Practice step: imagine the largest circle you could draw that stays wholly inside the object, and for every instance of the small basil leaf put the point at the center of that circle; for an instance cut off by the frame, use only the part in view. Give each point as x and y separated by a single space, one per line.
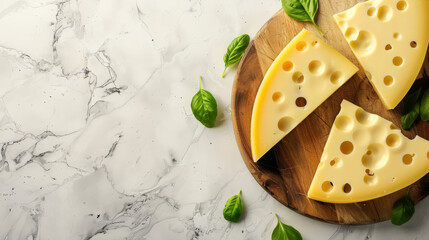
235 51
424 106
285 232
411 109
302 10
204 107
233 208
402 210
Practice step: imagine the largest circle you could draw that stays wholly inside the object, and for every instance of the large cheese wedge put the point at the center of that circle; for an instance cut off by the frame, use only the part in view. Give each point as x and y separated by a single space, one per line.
366 157
304 75
390 39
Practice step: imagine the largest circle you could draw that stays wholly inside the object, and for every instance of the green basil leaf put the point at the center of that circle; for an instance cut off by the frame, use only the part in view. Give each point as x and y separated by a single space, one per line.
204 107
285 232
233 208
302 10
235 51
424 106
411 109
402 210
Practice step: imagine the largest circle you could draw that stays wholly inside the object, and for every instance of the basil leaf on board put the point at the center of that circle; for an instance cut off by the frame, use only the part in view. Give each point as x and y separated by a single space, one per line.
285 232
204 107
424 106
233 208
411 109
302 10
235 51
402 211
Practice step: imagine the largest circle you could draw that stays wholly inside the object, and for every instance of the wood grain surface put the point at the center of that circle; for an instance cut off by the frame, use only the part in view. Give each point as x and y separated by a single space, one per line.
287 170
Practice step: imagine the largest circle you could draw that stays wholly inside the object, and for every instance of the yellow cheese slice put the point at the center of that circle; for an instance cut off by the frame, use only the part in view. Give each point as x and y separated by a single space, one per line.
390 39
304 75
366 157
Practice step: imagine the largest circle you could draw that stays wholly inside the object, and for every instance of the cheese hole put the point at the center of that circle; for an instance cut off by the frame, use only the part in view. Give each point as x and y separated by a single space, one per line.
397 36
384 13
371 11
316 67
301 102
287 66
342 24
364 117
351 33
368 172
397 61
315 44
347 188
336 77
388 80
327 186
407 159
343 123
413 44
364 44
401 5
297 77
370 180
393 179
393 127
346 147
393 140
301 46
336 162
285 124
376 156
278 97
427 155
388 47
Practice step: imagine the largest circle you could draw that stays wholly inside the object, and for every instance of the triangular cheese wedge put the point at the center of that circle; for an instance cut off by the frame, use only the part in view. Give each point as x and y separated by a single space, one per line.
304 75
390 39
366 157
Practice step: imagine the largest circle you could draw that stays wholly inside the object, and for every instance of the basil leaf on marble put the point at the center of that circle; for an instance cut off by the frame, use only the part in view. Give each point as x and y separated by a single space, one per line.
403 210
285 232
411 109
204 107
424 106
235 51
302 10
233 208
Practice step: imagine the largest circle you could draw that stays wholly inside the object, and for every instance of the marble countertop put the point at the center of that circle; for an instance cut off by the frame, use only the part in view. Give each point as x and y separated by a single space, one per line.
97 137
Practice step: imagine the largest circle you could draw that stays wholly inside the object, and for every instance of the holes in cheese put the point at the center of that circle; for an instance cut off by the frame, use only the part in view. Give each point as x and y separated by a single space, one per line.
397 36
327 186
287 66
388 47
301 102
347 188
384 13
407 159
388 80
298 77
337 77
397 61
316 67
302 77
344 123
380 162
300 46
381 34
401 5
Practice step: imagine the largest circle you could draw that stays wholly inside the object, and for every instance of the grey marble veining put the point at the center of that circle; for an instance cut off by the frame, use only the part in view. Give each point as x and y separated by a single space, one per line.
97 137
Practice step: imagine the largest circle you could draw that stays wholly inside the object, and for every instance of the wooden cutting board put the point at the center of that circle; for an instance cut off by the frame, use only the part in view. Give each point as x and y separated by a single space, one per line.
287 170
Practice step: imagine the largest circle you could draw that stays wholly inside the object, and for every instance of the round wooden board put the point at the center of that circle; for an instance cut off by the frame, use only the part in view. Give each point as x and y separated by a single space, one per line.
287 170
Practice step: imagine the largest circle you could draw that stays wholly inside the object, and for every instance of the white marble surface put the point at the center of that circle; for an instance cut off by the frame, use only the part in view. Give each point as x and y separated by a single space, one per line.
97 137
